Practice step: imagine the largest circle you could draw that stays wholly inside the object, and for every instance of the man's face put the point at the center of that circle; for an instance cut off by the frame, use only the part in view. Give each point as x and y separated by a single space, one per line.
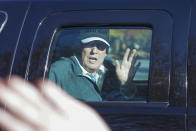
93 55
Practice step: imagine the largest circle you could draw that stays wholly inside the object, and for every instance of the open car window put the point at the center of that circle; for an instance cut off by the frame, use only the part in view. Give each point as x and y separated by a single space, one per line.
65 45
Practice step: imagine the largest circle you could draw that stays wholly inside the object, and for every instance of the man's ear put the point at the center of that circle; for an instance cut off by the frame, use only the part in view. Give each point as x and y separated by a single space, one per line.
105 54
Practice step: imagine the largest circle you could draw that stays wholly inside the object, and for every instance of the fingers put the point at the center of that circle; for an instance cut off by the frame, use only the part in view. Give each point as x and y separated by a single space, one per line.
117 65
21 108
55 95
125 69
60 99
25 89
24 102
125 57
11 124
74 110
29 109
131 57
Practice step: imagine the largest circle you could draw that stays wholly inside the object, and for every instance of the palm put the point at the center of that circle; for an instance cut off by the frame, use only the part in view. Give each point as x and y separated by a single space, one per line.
126 70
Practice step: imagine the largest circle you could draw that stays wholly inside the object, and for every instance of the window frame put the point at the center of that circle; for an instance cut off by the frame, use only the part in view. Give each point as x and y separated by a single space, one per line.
161 24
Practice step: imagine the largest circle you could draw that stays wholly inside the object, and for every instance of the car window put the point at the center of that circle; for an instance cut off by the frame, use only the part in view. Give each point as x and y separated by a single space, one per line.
56 39
66 44
3 19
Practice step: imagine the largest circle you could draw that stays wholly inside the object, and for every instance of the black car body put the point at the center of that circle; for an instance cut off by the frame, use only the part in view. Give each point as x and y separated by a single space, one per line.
27 29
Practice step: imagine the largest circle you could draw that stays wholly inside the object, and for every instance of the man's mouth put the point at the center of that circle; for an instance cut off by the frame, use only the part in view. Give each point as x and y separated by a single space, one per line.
92 60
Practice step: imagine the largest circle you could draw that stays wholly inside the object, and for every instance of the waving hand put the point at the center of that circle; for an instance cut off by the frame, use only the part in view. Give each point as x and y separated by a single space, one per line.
126 70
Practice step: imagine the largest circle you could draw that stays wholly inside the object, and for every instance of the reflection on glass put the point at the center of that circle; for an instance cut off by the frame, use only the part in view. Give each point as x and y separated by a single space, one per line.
3 19
83 63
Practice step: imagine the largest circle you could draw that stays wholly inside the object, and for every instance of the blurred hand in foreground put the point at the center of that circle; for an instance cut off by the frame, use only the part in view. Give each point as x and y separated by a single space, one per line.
26 107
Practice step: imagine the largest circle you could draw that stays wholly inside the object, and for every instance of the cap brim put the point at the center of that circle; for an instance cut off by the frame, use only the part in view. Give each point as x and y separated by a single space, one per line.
90 39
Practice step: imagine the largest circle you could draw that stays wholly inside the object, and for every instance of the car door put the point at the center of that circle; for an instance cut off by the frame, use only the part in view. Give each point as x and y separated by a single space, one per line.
191 72
160 99
12 17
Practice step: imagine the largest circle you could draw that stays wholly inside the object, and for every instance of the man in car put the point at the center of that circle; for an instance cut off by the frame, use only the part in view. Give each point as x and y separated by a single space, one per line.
86 75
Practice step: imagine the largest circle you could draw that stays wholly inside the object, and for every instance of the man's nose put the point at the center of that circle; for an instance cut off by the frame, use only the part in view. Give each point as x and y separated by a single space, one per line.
94 49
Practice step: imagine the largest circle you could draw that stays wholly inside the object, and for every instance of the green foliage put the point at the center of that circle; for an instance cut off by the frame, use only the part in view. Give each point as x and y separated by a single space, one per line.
139 39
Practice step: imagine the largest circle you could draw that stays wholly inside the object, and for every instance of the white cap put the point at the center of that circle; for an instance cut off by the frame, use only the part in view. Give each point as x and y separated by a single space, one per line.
90 39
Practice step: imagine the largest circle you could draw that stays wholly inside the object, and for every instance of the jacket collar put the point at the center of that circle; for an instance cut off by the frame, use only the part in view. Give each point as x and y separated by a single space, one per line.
80 71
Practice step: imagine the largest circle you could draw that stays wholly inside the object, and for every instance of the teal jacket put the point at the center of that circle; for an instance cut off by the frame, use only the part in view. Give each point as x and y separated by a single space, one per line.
68 75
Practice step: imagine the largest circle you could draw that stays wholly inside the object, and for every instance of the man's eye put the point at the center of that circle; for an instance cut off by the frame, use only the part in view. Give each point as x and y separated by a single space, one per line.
101 47
90 45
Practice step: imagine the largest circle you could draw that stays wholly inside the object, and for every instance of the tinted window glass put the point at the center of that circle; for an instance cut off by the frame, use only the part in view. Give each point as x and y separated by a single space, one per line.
76 52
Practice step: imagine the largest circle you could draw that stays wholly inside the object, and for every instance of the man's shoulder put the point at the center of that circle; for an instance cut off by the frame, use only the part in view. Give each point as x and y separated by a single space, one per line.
62 62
